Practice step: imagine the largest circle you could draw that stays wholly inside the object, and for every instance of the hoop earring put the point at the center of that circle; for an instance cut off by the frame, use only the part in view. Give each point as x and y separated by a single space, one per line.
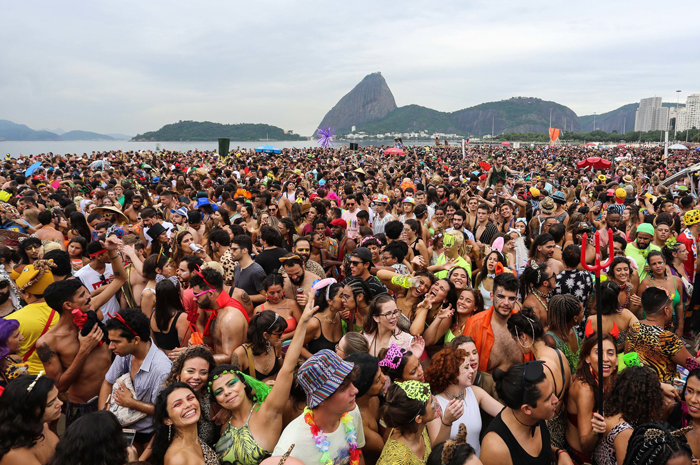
170 430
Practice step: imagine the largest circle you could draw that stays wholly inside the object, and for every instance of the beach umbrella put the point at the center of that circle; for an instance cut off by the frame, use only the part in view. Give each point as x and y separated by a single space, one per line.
591 144
670 147
32 168
267 149
394 151
594 162
505 143
100 164
622 145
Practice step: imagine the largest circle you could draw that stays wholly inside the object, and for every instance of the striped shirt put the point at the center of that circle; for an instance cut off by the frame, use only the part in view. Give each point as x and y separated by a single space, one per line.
147 381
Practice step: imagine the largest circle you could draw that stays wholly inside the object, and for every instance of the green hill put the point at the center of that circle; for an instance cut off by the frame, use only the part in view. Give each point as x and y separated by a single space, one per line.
412 118
208 131
518 114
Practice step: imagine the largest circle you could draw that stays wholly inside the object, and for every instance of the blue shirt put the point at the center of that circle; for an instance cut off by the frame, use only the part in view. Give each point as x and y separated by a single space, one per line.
148 380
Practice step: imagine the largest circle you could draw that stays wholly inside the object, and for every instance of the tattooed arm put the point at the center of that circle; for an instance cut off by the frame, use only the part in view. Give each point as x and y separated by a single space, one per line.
245 300
64 378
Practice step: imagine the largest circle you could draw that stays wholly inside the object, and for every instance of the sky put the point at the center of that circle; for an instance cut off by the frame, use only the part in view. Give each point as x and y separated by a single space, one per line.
133 66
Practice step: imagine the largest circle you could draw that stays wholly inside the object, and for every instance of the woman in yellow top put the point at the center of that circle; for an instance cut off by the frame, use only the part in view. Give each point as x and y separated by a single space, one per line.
409 407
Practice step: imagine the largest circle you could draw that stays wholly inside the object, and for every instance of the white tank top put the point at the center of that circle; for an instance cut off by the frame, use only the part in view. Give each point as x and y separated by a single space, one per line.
471 419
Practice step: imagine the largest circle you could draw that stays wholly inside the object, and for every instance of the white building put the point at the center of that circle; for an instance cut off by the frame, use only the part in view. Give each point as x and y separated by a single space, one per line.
646 111
651 115
689 117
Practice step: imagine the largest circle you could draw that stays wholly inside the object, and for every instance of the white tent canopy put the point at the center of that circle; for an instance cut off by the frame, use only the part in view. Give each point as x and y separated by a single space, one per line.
677 147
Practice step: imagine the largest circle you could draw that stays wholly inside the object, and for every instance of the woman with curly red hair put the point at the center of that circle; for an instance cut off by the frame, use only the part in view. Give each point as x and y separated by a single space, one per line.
451 377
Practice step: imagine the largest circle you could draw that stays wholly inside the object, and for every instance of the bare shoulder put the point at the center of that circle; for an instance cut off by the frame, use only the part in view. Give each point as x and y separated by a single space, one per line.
494 450
21 455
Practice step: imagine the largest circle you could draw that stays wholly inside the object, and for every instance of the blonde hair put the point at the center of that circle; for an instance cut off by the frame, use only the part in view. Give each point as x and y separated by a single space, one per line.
459 242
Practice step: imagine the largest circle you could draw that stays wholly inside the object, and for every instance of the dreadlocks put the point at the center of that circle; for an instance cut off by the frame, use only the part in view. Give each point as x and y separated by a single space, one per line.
563 308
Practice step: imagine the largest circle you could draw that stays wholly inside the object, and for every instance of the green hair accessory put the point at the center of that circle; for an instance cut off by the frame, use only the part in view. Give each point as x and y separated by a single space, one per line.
260 389
415 390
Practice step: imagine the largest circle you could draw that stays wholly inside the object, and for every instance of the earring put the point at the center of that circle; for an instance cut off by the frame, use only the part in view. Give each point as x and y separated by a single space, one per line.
267 299
170 430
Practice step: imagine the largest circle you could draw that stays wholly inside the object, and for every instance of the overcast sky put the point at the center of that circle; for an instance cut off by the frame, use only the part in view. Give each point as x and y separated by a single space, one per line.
133 66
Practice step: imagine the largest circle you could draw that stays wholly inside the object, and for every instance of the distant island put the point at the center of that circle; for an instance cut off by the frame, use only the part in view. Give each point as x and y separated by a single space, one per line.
208 131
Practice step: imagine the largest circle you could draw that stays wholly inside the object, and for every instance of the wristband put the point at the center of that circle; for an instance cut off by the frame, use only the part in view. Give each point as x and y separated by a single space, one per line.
561 451
450 425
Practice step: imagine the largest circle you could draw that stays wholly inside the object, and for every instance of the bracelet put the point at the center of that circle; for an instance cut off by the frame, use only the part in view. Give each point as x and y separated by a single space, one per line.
450 425
561 451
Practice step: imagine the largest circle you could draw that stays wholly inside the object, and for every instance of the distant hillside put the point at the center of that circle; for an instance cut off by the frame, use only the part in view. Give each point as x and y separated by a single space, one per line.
519 114
14 131
84 135
369 101
411 118
619 120
208 131
20 132
371 108
117 136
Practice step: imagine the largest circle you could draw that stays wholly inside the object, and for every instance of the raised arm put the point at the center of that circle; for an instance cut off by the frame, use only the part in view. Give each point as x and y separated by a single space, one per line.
279 396
111 244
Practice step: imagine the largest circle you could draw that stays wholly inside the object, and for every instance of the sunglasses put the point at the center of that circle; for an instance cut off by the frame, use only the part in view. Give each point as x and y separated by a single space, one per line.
196 296
356 263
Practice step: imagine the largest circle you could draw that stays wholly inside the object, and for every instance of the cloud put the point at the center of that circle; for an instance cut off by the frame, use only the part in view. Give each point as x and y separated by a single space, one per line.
133 66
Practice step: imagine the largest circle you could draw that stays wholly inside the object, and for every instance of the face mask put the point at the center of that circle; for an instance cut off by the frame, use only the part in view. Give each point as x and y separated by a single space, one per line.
448 241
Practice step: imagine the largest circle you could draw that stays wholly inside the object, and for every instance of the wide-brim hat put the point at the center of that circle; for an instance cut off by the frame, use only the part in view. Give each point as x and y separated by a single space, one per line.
547 205
111 210
321 375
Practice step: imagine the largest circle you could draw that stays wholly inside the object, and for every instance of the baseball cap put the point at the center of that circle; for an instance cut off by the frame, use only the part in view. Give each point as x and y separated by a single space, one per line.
363 254
340 222
321 375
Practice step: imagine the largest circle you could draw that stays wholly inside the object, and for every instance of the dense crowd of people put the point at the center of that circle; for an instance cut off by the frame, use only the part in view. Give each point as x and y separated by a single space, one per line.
327 306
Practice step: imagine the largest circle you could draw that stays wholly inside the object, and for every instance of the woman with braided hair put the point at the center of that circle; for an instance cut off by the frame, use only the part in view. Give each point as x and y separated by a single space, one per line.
653 444
536 283
565 312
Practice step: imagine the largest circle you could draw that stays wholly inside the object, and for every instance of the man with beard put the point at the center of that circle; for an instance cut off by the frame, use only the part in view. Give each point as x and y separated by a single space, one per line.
360 263
75 362
641 247
542 250
247 275
134 211
345 244
228 322
179 219
297 278
6 305
302 247
496 347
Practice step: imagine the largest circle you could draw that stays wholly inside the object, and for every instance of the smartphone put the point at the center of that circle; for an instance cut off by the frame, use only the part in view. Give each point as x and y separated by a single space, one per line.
129 435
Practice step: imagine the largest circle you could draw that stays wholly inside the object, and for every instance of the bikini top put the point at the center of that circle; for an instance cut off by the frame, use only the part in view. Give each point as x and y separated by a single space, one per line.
615 332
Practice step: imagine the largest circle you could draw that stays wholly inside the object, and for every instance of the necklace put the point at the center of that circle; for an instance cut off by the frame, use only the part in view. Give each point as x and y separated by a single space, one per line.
537 295
328 320
264 370
532 427
451 396
323 444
